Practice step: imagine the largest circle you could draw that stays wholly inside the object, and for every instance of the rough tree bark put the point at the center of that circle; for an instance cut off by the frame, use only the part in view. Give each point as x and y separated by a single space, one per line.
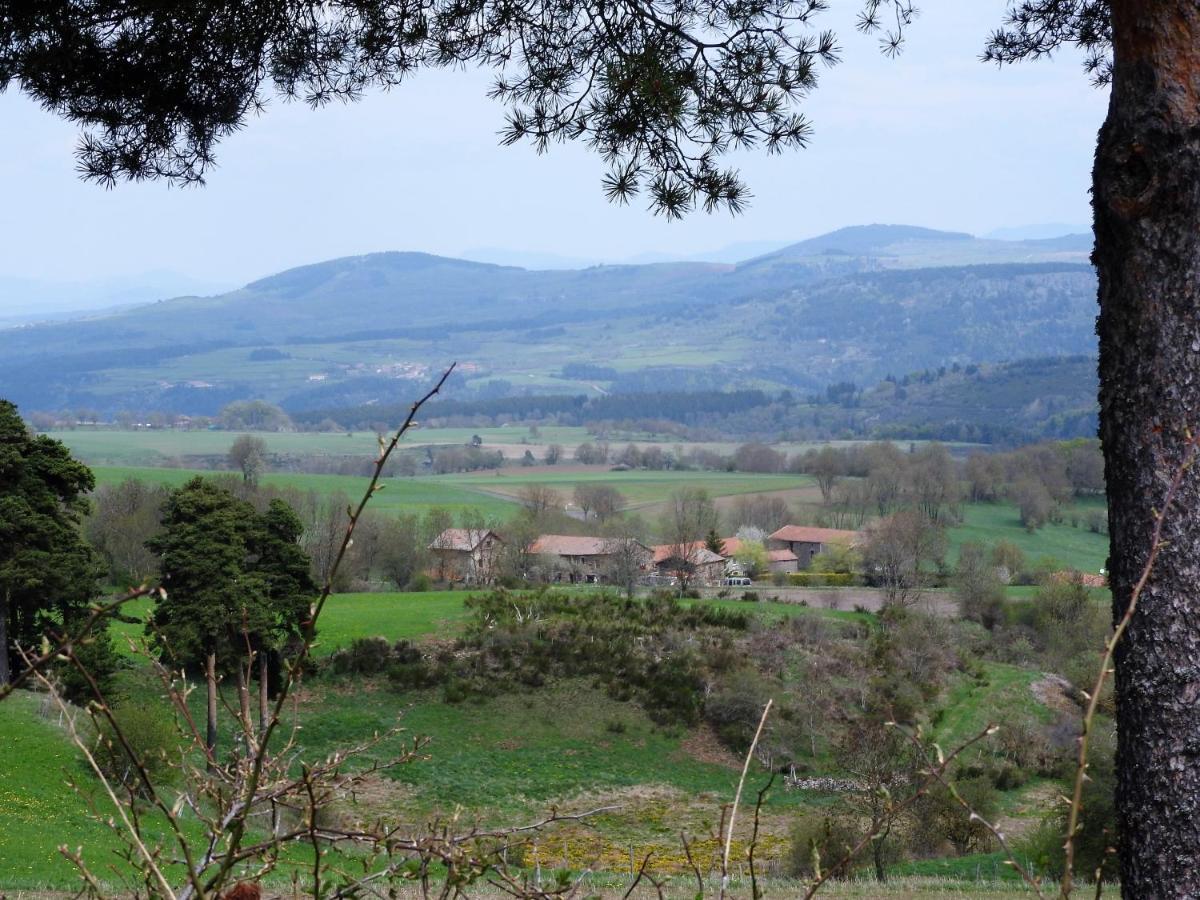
5 672
1146 200
210 678
264 689
243 692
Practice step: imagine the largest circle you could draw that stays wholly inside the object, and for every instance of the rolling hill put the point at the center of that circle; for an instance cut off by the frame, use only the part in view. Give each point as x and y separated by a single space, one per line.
856 304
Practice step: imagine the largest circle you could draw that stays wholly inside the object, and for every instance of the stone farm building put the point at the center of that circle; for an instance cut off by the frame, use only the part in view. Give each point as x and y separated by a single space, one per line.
469 555
692 563
804 542
589 560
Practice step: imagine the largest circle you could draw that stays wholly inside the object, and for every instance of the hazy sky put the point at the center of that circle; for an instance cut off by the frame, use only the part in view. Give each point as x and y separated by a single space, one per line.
934 138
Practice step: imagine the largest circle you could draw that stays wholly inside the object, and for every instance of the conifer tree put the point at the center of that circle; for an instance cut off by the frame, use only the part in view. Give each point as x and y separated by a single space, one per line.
288 589
238 586
210 597
48 573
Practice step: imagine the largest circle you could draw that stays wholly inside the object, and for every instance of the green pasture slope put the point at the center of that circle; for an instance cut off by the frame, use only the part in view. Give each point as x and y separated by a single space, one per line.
636 486
40 809
494 493
1073 547
399 495
501 760
150 448
394 616
112 447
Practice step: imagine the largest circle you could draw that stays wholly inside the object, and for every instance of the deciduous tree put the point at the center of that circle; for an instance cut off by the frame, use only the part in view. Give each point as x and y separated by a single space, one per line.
248 454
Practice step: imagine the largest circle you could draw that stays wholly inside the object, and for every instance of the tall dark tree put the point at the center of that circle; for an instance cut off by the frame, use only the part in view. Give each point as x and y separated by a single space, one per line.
1146 204
661 91
210 597
288 588
48 573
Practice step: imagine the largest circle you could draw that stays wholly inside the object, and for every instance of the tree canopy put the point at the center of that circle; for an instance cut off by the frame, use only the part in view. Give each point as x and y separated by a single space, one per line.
48 573
659 90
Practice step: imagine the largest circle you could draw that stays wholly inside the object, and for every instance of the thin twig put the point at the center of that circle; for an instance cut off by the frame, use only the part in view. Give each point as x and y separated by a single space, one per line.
940 774
762 794
737 798
893 811
59 644
640 873
108 789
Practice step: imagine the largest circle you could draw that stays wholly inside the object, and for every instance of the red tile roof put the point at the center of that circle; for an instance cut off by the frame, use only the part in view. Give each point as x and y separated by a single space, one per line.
731 545
698 553
809 535
571 545
465 539
781 556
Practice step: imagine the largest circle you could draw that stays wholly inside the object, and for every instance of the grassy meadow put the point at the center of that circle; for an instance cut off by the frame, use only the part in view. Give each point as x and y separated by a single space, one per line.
496 760
1072 546
508 758
158 447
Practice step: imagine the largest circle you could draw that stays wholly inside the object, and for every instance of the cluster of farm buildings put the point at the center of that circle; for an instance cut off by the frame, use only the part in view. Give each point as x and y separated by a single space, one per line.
472 556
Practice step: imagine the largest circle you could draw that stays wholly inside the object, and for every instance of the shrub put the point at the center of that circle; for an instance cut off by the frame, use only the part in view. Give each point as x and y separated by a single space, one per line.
735 708
419 583
822 579
750 596
819 842
940 817
1098 832
364 656
98 657
152 736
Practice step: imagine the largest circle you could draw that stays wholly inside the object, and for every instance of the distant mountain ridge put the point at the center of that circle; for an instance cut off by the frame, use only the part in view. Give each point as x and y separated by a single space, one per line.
853 305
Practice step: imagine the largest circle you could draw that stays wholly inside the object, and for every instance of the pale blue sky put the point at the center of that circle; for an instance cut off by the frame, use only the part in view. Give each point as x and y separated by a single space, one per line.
934 138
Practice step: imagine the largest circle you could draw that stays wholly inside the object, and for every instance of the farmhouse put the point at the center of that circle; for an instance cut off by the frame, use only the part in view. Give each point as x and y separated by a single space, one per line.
466 555
591 560
693 563
805 542
782 561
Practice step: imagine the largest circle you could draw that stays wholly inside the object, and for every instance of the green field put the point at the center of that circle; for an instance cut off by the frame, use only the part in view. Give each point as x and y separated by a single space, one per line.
501 759
161 446
637 487
41 812
1072 547
407 495
494 494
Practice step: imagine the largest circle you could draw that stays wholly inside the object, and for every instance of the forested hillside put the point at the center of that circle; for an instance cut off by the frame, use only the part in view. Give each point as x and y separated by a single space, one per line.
853 306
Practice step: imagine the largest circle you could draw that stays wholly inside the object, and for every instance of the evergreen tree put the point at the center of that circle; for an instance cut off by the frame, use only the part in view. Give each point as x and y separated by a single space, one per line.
285 571
210 599
48 574
713 542
238 587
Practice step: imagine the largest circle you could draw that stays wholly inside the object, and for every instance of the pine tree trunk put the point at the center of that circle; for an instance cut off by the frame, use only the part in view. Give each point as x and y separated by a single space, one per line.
210 678
5 671
264 690
243 691
1146 198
